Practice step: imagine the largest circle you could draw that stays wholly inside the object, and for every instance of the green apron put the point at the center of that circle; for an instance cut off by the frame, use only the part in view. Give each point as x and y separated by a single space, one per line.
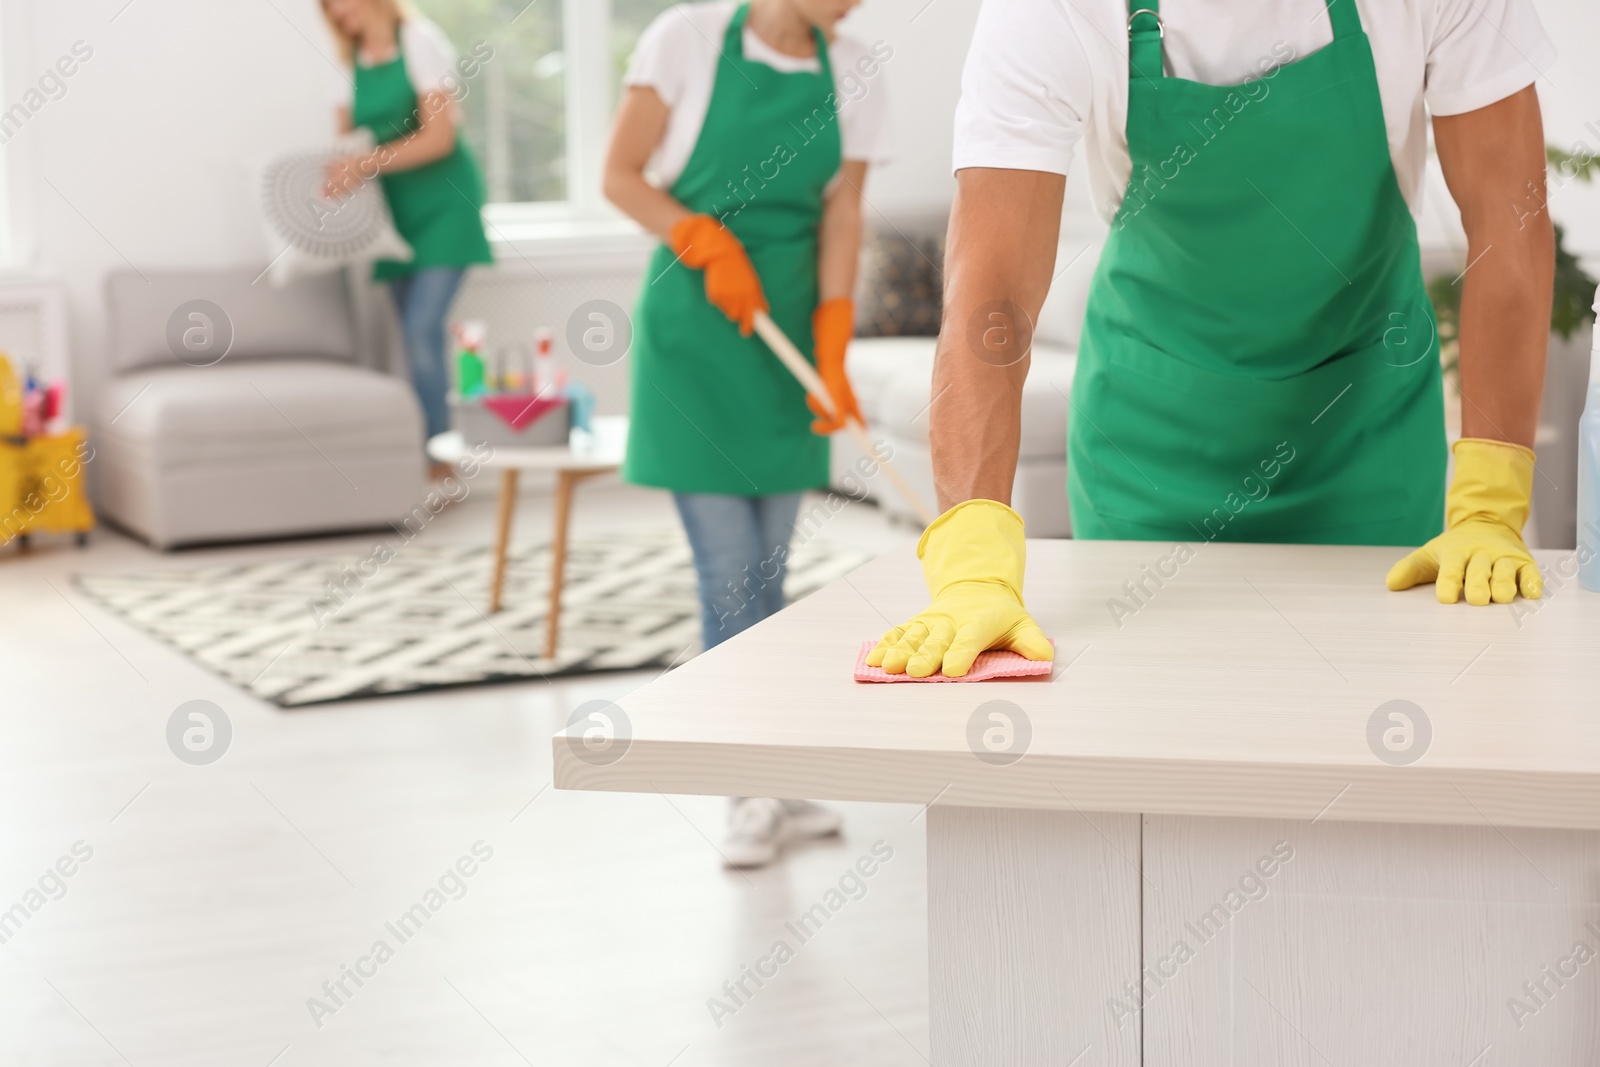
437 207
714 412
1259 360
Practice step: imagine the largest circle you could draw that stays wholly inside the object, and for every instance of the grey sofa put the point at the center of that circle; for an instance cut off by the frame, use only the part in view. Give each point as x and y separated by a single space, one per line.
238 411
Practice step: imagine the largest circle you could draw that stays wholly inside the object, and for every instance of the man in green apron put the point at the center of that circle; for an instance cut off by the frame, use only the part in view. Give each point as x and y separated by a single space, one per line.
1259 358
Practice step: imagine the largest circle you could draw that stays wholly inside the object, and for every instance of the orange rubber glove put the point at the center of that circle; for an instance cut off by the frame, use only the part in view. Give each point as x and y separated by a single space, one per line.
732 287
1481 552
832 326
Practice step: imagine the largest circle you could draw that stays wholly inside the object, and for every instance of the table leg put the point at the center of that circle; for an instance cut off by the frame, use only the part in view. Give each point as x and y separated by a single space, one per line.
566 482
1273 942
1033 936
508 506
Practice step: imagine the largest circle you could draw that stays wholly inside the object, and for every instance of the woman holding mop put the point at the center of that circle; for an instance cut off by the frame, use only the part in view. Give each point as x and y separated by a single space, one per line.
742 142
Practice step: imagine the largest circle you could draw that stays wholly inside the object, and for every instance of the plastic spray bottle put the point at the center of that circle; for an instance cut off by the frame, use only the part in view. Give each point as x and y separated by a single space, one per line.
544 381
1589 473
469 359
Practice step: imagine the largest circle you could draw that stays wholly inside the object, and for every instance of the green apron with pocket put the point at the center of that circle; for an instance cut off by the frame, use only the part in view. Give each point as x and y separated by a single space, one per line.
437 207
1259 359
714 412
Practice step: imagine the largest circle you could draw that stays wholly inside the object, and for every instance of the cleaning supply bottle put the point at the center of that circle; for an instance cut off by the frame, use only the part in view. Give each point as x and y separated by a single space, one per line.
516 369
34 406
1589 472
582 400
469 373
469 359
544 381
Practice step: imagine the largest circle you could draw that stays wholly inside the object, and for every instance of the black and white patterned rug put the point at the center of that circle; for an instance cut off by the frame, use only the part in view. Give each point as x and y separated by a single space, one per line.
307 631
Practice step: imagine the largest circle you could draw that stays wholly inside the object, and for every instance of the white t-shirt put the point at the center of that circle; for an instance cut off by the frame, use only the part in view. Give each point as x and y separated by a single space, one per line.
677 56
1043 75
430 62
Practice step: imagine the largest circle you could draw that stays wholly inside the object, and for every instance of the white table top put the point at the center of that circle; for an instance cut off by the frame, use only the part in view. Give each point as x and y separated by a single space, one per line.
1244 687
603 449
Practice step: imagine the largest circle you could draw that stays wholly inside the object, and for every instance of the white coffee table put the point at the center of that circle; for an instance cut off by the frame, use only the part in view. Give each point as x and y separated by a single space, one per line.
599 452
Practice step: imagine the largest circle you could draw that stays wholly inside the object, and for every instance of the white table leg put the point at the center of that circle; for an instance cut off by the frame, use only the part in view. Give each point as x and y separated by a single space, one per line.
1373 943
1033 923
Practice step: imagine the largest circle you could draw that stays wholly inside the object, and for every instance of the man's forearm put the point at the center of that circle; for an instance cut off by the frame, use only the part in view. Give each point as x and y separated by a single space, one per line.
1494 162
1000 251
1505 332
975 420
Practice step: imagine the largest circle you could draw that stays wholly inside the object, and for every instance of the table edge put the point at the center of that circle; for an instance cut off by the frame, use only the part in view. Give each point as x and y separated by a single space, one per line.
1312 792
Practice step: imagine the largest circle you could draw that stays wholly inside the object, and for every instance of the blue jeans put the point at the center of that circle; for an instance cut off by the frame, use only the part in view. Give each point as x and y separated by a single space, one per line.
422 299
741 554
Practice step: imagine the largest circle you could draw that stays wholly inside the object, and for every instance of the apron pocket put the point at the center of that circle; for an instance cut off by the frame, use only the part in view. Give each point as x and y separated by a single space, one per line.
1350 452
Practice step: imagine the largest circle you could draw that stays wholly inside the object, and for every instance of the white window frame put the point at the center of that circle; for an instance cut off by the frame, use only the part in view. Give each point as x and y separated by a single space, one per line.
587 76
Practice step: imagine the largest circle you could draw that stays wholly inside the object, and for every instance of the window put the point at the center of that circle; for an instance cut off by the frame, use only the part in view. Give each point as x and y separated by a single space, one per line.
628 20
515 107
538 112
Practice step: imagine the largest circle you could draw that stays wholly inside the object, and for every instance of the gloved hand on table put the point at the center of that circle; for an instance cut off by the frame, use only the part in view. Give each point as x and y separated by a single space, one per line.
1481 549
732 286
972 557
832 326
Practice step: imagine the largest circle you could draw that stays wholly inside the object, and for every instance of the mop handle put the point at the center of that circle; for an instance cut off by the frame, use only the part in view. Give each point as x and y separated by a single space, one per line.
802 369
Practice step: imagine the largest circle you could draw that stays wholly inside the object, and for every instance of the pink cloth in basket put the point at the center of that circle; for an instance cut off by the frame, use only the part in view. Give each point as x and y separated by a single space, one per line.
517 410
988 667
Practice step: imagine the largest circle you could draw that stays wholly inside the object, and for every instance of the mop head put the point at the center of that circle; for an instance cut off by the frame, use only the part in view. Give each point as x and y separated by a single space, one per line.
988 667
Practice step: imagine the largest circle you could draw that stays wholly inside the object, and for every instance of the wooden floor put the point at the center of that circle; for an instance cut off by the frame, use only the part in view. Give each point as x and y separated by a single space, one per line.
219 899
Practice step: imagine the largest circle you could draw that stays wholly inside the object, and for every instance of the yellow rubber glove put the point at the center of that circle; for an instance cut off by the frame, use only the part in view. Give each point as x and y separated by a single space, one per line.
1481 549
972 557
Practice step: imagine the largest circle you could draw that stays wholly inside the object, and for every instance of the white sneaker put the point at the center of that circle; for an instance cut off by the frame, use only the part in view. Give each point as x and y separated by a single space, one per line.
755 832
804 819
758 828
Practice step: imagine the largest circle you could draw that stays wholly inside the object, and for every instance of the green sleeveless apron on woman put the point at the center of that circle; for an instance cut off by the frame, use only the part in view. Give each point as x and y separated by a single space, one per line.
1259 360
714 412
437 207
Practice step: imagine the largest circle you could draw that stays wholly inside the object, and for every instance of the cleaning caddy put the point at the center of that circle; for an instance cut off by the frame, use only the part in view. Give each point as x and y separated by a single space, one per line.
41 473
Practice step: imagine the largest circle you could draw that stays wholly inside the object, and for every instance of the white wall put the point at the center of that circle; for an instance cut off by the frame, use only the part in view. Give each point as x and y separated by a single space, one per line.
146 159
923 80
1570 97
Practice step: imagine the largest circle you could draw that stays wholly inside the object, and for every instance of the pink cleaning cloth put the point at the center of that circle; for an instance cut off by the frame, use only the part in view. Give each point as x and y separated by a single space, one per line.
518 410
988 667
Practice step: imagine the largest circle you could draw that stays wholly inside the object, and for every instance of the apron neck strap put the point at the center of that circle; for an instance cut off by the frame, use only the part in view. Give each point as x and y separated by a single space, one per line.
822 54
1145 31
1345 18
733 40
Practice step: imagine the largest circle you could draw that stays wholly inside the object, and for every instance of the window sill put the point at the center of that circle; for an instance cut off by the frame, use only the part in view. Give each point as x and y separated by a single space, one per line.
590 245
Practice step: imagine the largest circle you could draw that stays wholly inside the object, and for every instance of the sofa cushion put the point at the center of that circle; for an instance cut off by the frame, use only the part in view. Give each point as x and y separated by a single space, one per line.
183 416
893 380
901 287
307 319
875 363
1061 316
1045 402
